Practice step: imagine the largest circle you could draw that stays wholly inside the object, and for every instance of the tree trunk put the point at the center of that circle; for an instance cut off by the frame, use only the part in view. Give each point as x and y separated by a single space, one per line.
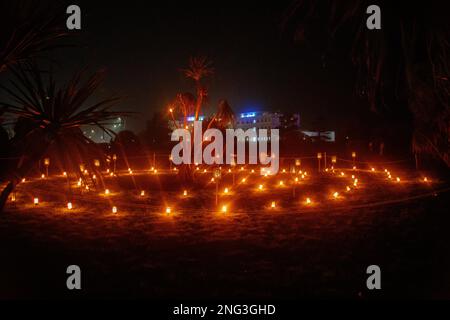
5 194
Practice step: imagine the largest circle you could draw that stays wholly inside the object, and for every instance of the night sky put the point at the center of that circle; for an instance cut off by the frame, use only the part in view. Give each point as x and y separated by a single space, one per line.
258 66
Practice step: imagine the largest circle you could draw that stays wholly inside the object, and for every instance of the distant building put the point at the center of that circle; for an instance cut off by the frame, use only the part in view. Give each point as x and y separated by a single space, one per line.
175 124
100 136
267 120
327 136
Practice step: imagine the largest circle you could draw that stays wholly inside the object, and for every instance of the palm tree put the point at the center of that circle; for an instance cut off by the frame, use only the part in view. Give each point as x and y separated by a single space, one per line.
186 104
47 116
199 68
224 117
402 69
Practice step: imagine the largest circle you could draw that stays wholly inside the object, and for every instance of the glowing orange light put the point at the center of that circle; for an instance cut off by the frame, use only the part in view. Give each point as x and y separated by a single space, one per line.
87 187
170 110
342 174
185 193
425 179
253 171
348 188
308 201
242 168
226 190
229 170
114 209
398 179
354 167
168 210
36 201
106 191
107 170
212 179
65 174
336 195
373 169
281 183
243 180
204 171
284 170
13 197
79 183
296 179
42 176
23 180
94 177
111 174
260 187
142 193
224 209
69 205
273 205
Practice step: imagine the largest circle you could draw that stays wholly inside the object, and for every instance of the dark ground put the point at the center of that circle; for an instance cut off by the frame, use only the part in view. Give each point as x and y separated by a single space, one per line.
285 254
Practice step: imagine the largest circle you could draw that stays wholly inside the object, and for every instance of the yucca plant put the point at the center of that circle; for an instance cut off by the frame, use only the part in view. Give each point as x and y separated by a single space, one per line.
30 31
47 116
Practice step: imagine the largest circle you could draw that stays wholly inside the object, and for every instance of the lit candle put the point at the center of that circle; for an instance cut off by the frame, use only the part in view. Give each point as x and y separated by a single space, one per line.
106 191
336 195
185 193
224 209
273 205
260 187
168 210
114 209
308 201
142 193
36 201
226 190
69 205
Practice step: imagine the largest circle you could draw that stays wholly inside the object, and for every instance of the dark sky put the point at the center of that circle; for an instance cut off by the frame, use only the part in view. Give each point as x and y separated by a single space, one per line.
144 44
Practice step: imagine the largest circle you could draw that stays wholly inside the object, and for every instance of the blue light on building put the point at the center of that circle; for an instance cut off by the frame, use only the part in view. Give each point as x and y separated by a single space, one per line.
200 118
248 115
